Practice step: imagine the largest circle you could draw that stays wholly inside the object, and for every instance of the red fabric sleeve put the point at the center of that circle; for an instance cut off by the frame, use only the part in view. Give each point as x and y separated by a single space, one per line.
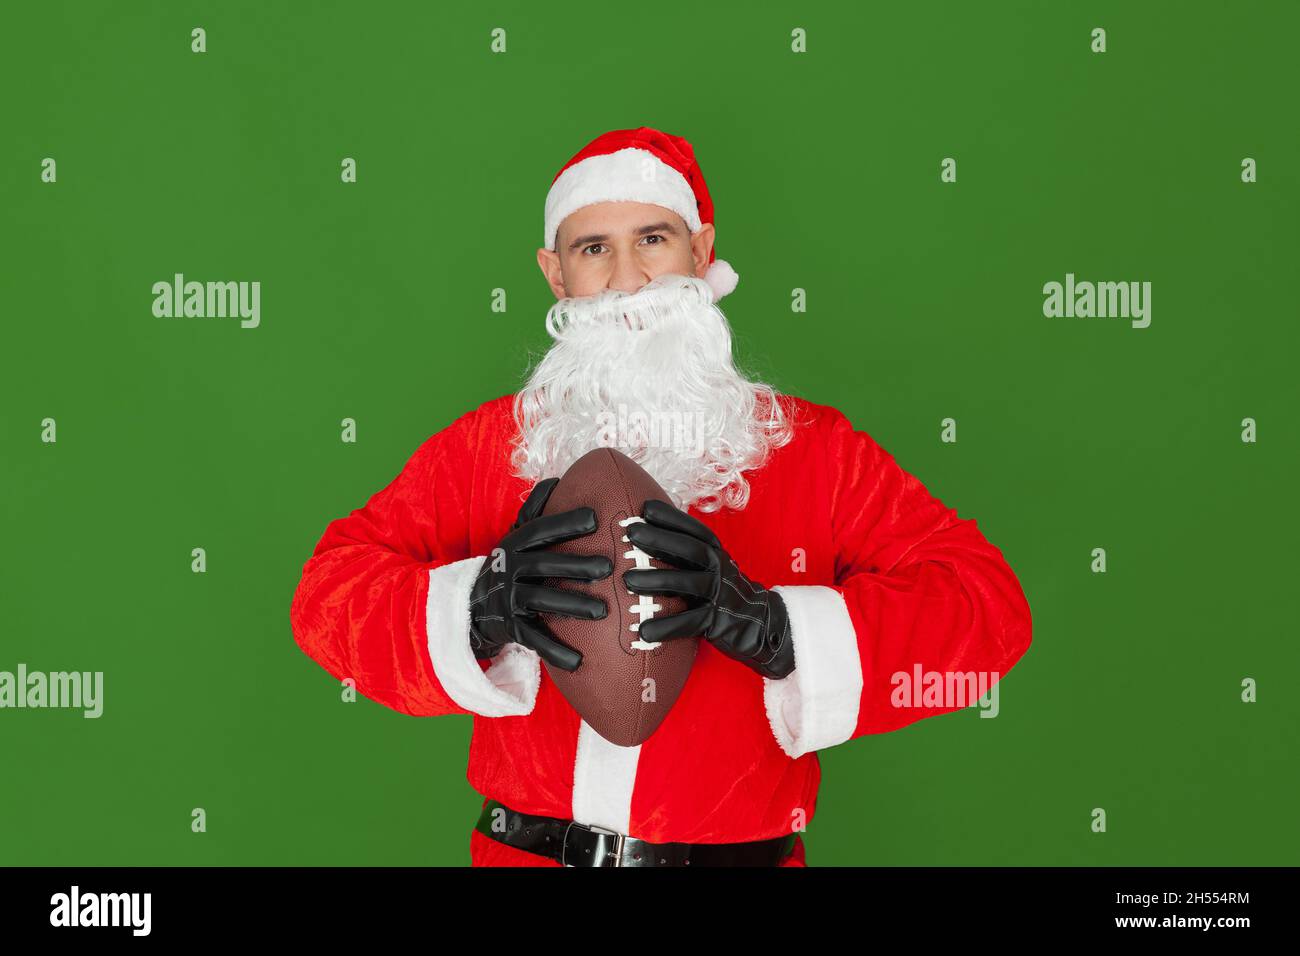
359 610
922 586
917 592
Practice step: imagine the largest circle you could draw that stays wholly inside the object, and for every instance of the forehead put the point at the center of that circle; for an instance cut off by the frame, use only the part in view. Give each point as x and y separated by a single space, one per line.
614 217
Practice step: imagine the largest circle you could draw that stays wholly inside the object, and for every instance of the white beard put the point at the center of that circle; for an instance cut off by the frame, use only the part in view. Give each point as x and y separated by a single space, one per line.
651 374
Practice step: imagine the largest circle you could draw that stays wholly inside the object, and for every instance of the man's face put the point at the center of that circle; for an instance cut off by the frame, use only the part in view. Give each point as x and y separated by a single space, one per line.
622 246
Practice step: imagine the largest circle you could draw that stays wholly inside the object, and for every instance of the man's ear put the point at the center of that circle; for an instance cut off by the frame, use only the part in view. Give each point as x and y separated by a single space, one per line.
550 265
702 247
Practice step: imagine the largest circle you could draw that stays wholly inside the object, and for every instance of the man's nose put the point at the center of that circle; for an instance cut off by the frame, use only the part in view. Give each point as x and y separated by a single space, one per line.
627 275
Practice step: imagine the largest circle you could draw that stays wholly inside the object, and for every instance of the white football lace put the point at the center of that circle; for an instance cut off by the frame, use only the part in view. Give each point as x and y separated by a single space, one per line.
645 607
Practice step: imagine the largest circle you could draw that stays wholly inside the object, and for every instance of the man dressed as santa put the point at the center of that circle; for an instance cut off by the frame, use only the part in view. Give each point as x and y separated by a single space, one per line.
815 570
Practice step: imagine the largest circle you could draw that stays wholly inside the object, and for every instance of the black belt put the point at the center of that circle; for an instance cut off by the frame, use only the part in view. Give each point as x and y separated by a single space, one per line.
576 844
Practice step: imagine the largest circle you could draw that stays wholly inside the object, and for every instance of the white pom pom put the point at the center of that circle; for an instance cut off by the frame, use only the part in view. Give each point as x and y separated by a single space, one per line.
721 278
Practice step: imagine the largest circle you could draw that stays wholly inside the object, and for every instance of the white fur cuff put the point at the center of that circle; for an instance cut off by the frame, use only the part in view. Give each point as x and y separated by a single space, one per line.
817 705
509 686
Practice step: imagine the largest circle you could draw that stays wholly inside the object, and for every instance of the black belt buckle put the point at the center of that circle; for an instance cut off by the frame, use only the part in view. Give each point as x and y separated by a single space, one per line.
604 840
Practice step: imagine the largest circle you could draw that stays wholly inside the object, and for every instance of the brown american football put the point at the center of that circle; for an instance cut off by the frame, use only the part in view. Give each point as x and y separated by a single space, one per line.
624 687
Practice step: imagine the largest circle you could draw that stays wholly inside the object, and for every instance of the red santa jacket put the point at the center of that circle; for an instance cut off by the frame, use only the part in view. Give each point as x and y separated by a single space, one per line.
880 579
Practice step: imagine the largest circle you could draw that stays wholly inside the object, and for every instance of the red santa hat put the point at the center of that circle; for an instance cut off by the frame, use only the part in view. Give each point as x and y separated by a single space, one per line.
638 165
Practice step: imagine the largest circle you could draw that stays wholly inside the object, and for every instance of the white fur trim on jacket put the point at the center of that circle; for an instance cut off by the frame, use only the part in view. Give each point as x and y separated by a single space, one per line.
604 775
817 705
509 686
627 175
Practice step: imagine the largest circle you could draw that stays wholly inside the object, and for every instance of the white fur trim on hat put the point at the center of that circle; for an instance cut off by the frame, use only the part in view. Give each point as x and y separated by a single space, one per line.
721 278
626 175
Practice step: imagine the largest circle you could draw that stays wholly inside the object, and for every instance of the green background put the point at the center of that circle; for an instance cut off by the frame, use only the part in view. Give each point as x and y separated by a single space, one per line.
924 302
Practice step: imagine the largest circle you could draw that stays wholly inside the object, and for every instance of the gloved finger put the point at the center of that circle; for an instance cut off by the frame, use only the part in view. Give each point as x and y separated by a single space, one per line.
536 500
531 597
696 584
533 633
670 546
689 623
550 529
674 519
548 564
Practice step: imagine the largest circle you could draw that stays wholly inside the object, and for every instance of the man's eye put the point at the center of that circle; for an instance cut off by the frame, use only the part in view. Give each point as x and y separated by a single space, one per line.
653 235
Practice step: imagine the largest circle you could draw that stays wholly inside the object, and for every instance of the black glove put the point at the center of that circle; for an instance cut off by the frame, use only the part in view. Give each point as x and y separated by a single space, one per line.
503 606
742 619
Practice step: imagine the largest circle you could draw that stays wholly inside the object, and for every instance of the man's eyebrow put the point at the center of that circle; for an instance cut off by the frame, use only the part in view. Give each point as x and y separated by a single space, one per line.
664 226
